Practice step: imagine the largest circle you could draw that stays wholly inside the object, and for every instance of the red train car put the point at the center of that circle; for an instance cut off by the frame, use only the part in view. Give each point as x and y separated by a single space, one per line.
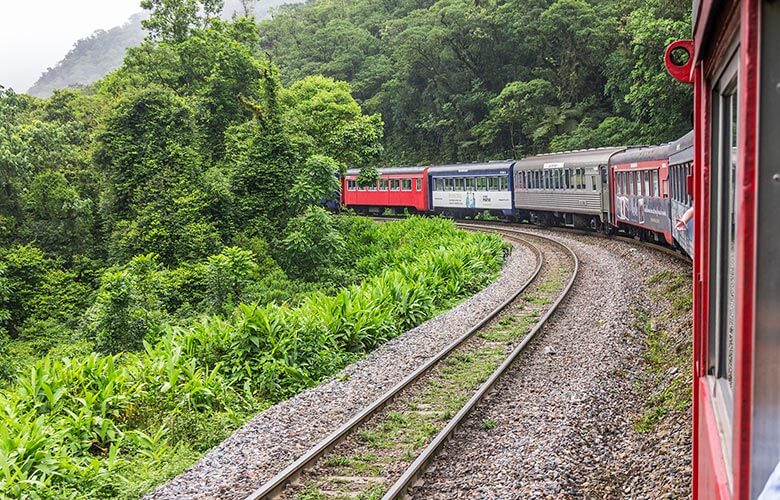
640 191
733 62
398 188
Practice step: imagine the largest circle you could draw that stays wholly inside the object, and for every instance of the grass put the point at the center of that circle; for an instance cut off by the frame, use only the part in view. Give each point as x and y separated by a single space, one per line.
667 356
488 424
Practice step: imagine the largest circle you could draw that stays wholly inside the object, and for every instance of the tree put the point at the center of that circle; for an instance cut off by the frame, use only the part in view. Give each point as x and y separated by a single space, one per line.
175 20
127 309
321 114
155 197
517 116
311 244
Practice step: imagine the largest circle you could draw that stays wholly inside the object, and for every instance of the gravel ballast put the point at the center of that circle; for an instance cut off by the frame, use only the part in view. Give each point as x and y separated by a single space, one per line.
279 435
564 420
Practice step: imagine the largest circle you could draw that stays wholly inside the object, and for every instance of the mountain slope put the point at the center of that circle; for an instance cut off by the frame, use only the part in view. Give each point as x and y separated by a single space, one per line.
93 57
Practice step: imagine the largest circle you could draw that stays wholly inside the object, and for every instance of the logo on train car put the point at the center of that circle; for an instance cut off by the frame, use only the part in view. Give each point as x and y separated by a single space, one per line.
553 165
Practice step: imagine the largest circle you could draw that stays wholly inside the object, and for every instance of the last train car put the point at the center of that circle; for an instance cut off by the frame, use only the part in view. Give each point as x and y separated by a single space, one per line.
733 63
397 189
565 189
466 189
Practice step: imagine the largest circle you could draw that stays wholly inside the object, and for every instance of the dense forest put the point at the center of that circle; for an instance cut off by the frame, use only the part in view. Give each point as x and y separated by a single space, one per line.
459 80
167 268
95 56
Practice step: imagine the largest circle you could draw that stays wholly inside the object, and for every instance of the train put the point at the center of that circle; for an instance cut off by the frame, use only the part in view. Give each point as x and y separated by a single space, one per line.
639 191
733 64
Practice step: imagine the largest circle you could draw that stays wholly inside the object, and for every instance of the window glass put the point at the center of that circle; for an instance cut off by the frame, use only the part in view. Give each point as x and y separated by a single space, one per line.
407 184
646 177
418 184
656 188
470 183
503 183
724 207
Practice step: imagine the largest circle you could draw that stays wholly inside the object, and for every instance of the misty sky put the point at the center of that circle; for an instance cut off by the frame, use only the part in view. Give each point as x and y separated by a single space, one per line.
36 34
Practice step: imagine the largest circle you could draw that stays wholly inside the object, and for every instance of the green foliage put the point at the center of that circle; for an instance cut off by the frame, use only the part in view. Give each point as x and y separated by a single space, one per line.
127 309
442 73
176 20
228 276
322 115
318 181
155 196
311 243
111 425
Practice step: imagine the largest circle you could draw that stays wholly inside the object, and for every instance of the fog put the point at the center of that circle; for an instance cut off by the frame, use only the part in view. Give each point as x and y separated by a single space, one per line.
35 35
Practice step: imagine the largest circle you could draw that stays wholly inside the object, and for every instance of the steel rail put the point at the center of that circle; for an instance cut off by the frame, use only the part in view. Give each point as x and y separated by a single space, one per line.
277 484
417 468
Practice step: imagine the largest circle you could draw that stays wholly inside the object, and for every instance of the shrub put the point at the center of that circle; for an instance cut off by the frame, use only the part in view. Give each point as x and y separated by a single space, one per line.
127 309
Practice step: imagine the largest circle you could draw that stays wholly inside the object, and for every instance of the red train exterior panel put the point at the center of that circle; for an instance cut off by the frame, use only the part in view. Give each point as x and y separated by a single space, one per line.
736 443
397 188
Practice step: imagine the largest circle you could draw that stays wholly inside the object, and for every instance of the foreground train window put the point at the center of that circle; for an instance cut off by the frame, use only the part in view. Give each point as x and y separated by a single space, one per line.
723 237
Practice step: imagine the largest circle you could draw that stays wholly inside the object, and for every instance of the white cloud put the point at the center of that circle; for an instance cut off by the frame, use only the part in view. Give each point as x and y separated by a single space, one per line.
36 34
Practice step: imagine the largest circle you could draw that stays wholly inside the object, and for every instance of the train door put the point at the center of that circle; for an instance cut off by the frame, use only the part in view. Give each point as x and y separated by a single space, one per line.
605 193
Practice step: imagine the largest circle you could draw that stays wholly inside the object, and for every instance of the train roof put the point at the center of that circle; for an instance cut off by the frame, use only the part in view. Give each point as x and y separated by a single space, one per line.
392 170
683 150
650 153
471 167
580 158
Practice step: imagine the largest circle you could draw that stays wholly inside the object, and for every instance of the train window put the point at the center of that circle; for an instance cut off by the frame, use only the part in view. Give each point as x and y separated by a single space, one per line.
579 178
625 182
395 184
723 238
546 179
469 184
418 184
567 178
521 180
654 184
406 184
646 177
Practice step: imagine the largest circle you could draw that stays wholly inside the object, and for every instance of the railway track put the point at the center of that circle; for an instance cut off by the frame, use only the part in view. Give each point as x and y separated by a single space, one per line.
383 449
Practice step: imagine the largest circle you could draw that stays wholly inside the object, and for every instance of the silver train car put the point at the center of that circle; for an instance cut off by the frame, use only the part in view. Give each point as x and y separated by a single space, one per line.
565 189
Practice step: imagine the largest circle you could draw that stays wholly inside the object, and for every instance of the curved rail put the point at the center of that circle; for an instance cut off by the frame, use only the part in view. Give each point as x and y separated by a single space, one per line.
417 467
275 486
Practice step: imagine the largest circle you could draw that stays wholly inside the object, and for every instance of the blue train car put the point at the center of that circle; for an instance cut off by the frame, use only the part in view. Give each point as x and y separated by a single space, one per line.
466 189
